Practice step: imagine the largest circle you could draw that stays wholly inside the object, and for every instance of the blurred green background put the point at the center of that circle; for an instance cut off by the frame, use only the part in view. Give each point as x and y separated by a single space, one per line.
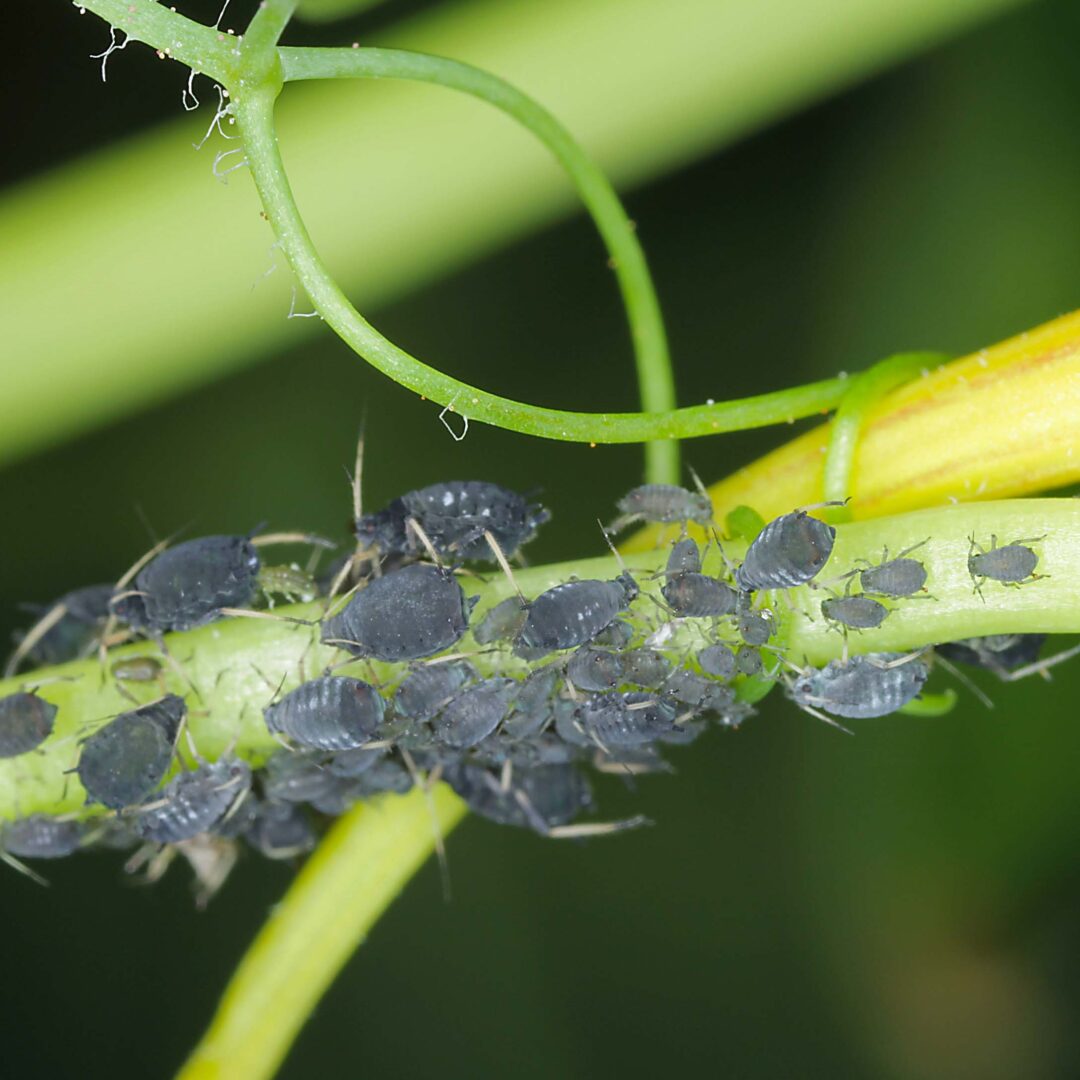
900 904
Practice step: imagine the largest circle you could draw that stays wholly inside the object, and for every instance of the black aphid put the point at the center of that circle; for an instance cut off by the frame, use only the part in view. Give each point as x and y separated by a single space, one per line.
1012 564
685 558
193 802
333 712
500 623
26 721
717 660
349 764
633 719
454 516
699 596
748 660
297 777
664 504
616 636
426 690
475 713
855 612
279 830
122 762
414 612
755 627
699 693
533 707
645 667
188 585
40 836
595 669
897 577
542 798
791 550
999 653
67 630
574 612
862 687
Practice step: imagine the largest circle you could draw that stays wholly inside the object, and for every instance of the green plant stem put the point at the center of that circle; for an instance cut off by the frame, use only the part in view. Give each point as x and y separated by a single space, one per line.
866 388
267 25
655 380
359 868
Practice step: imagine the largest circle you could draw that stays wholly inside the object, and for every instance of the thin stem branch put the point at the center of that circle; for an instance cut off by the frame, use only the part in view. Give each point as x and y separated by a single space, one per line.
267 25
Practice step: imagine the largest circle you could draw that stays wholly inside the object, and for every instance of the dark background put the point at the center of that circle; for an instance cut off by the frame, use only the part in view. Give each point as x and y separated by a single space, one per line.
901 904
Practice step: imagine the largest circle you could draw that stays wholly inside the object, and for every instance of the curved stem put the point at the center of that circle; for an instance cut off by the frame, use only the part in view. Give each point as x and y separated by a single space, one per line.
866 388
359 868
254 114
655 380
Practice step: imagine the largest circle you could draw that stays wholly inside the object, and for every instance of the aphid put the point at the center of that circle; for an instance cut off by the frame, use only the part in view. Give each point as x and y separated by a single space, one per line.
641 719
698 596
297 777
999 653
594 669
475 713
791 550
454 515
333 712
645 667
748 660
685 558
279 830
555 795
349 764
717 660
875 684
699 693
26 721
193 802
1012 564
755 627
574 612
426 690
500 623
897 577
136 669
67 630
290 582
40 836
854 612
663 504
122 762
616 636
533 707
389 775
411 613
188 585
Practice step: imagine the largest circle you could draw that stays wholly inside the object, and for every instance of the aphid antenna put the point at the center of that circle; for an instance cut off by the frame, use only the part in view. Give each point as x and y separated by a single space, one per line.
422 536
817 714
1040 666
33 636
436 832
269 616
614 549
906 658
597 828
294 537
963 679
504 565
821 505
716 538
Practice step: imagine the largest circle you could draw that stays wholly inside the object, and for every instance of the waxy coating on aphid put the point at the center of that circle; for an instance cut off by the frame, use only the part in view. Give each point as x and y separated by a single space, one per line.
791 550
429 687
1012 564
574 612
755 627
897 577
663 504
717 660
408 614
333 712
862 687
187 586
699 596
122 762
193 802
475 713
26 721
633 719
40 836
855 612
454 515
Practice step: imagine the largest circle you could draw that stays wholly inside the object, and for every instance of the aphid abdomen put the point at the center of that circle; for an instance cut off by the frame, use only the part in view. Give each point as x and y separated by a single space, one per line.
41 836
855 612
124 761
717 660
665 504
408 614
475 713
26 721
426 690
791 550
685 558
186 586
571 614
645 667
333 712
1009 565
193 802
863 687
896 578
594 669
280 830
698 596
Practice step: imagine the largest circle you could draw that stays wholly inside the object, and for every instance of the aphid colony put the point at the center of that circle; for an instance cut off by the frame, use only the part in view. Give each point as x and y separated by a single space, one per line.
576 676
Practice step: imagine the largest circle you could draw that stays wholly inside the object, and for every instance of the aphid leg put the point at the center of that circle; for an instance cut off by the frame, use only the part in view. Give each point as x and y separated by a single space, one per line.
33 636
425 540
827 719
18 864
506 776
500 558
250 613
596 828
961 678
266 539
436 832
1040 666
887 665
